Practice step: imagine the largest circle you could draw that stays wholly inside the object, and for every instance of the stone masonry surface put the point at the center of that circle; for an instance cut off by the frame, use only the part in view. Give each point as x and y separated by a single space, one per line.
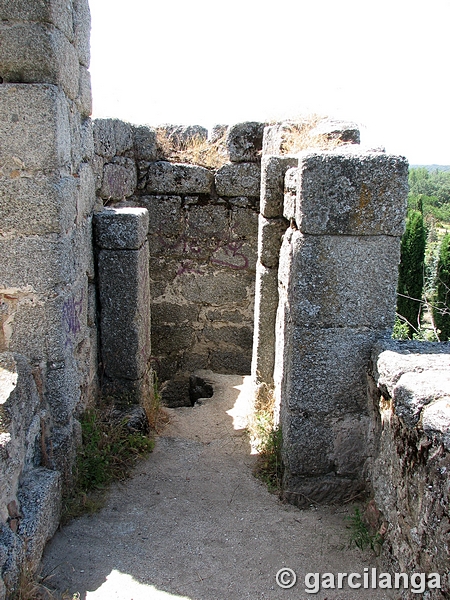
410 399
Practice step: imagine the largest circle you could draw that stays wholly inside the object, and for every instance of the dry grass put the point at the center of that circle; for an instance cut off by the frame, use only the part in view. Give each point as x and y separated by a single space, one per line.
298 135
32 586
196 150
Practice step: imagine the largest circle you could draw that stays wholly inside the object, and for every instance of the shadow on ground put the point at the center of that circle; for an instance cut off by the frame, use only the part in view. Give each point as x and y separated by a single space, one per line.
194 523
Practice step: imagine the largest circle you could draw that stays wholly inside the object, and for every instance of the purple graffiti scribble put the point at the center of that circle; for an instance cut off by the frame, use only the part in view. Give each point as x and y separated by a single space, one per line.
71 316
232 249
188 266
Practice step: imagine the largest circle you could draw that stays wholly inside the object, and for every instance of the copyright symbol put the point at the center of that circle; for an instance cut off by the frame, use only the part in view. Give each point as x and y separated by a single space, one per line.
286 578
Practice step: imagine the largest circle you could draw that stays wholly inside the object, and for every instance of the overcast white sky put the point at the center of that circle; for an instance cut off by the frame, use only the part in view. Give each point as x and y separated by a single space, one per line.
384 64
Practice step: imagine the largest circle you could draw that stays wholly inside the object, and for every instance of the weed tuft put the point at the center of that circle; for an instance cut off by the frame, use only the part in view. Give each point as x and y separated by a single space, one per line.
196 150
108 453
361 533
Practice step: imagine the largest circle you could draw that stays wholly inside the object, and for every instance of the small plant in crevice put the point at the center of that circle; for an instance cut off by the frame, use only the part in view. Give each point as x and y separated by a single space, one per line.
269 464
108 452
363 534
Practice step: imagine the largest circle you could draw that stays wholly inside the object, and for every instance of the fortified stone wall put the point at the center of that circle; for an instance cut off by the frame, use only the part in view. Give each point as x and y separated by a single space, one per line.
203 229
48 335
410 442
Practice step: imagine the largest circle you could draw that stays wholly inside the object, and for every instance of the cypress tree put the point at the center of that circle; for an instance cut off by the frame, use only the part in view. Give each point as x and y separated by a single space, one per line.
441 309
410 280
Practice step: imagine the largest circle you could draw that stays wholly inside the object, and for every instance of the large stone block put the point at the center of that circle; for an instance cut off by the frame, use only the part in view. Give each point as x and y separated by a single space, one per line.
58 12
34 129
84 98
215 288
207 222
52 263
38 53
322 372
167 338
125 312
119 179
38 205
227 334
354 194
167 178
266 305
230 361
82 30
169 313
270 237
145 145
273 170
342 131
244 141
341 281
242 179
40 504
121 228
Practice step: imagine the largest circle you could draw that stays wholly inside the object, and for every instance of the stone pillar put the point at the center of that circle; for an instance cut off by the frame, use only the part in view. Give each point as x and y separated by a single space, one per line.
272 226
124 292
337 286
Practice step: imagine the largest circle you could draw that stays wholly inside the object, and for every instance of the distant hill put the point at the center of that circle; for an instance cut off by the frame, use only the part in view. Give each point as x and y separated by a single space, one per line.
431 167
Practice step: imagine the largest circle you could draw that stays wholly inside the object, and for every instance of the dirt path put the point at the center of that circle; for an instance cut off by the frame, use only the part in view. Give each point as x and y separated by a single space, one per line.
194 523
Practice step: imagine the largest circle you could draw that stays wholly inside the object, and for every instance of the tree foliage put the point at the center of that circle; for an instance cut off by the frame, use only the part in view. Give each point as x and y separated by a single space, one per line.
441 310
411 270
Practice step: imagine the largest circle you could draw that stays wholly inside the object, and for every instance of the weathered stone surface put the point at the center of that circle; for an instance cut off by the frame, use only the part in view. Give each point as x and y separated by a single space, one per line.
335 281
145 146
167 218
237 336
352 194
119 179
392 359
58 12
82 30
322 371
125 312
38 53
266 305
167 338
19 425
39 205
344 131
52 263
34 129
12 554
104 138
414 391
270 236
409 471
290 193
242 179
273 170
217 132
84 99
230 361
244 226
174 314
121 228
180 135
207 221
325 489
167 178
215 288
40 504
244 141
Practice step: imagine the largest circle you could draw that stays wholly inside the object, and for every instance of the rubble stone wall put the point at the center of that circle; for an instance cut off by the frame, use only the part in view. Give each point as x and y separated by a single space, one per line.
410 441
203 231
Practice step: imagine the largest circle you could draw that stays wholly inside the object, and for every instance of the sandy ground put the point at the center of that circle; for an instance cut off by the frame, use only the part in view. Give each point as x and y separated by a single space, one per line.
194 523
